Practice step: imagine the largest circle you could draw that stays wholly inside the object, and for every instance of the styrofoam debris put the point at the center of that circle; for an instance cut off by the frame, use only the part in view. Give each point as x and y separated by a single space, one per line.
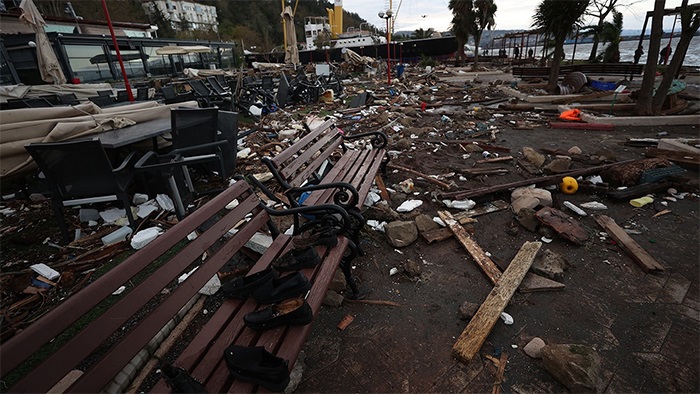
595 179
117 236
119 290
393 271
594 205
372 198
165 202
144 237
145 210
233 204
507 319
186 275
459 204
139 198
211 287
376 225
546 240
244 153
88 214
263 176
439 221
45 271
409 205
7 211
192 236
574 208
259 242
112 215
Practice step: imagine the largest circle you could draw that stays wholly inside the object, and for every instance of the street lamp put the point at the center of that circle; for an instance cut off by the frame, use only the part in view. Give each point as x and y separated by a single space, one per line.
387 17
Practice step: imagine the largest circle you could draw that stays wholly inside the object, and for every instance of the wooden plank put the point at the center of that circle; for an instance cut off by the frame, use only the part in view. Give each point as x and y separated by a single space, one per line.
419 174
495 160
292 150
534 282
630 246
485 263
529 167
480 326
496 389
437 235
484 171
566 226
382 188
489 207
322 143
678 146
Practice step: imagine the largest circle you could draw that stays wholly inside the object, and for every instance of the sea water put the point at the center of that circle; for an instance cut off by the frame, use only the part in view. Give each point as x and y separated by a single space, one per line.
627 48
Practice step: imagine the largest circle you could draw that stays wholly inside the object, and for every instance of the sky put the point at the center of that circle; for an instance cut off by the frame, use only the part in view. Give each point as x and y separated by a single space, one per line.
511 14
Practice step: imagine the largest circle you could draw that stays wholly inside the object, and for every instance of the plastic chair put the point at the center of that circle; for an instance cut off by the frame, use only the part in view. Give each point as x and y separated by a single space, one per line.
101 101
122 96
194 135
142 94
68 99
74 183
171 170
217 87
228 127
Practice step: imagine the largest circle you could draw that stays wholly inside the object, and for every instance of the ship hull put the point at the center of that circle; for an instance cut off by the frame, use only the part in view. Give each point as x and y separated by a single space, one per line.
409 51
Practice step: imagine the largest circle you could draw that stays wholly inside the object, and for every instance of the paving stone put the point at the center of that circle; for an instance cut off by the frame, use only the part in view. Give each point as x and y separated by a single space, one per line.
534 347
675 289
664 374
647 289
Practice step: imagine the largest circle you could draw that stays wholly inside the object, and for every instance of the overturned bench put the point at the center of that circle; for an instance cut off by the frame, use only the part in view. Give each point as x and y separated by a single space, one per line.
114 345
321 168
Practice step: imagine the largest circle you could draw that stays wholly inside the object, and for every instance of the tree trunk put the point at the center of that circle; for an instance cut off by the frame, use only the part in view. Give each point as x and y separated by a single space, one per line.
672 70
594 48
460 53
556 64
477 38
644 98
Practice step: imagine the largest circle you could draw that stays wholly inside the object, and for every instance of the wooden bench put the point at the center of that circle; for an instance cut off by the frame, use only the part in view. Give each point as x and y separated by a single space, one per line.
320 168
117 341
588 69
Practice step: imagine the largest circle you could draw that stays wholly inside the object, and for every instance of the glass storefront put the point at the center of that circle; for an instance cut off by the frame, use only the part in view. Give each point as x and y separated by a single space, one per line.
88 63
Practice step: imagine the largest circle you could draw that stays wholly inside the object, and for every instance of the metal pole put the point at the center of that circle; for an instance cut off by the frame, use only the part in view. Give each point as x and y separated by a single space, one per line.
388 50
573 56
119 55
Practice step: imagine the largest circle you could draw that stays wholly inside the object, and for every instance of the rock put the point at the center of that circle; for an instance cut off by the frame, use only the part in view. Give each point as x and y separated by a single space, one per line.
88 214
558 166
297 373
36 197
472 148
526 218
550 264
575 150
533 156
467 310
383 118
139 198
425 223
544 196
524 202
534 348
400 233
605 155
575 366
399 197
546 232
403 144
412 269
338 282
333 299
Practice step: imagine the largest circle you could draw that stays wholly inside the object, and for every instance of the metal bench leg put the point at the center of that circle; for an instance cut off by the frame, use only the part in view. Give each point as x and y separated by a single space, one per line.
346 266
356 229
385 163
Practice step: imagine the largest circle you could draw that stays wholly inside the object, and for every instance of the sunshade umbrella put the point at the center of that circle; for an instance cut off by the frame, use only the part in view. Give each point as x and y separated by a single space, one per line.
197 49
171 50
48 63
291 52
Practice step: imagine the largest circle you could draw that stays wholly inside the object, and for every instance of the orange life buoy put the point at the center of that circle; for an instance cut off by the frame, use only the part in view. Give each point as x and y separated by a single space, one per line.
572 114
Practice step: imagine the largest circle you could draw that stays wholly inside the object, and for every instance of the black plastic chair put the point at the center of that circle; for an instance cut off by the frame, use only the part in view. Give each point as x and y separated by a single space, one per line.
172 172
16 104
228 127
122 96
72 182
171 96
104 93
37 103
142 94
101 101
68 99
194 135
217 87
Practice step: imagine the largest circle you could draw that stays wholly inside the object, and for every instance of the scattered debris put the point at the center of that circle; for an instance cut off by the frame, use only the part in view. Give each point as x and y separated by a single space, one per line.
630 246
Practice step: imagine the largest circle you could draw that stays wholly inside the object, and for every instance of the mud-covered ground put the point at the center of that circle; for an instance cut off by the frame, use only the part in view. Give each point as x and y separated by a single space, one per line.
645 327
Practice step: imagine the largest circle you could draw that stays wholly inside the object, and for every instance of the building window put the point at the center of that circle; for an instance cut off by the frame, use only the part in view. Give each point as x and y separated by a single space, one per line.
157 64
88 62
133 65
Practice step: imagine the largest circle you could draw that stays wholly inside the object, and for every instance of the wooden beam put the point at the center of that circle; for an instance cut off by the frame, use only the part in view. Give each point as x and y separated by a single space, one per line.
480 326
495 160
544 180
382 189
437 235
485 263
420 174
496 389
630 246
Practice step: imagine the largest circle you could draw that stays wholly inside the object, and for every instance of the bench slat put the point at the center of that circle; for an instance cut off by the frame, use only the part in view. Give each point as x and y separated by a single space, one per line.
311 168
27 342
363 190
110 364
339 173
292 150
323 143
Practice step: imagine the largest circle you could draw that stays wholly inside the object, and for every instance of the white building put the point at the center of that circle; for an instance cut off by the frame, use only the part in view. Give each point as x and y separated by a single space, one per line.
198 16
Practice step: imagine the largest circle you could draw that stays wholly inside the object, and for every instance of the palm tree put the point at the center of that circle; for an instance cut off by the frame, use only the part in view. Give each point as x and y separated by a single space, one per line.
644 94
420 33
612 33
558 19
462 27
485 12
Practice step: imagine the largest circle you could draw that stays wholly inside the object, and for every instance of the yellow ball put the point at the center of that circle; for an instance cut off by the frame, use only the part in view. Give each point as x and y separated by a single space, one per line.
568 185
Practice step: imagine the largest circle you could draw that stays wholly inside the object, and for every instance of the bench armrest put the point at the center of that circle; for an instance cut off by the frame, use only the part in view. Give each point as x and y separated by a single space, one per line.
193 149
325 214
379 141
346 196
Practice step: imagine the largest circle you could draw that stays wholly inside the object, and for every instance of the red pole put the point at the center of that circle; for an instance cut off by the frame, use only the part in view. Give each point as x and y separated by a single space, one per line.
388 52
119 55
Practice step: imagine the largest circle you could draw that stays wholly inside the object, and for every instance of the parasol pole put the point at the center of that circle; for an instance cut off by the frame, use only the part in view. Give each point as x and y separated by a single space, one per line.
119 55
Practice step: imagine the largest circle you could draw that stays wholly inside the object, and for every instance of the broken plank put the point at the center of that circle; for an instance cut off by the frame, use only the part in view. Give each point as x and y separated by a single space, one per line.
540 181
678 146
425 177
437 235
485 263
382 188
529 167
564 225
480 326
630 246
496 389
484 171
582 126
533 282
495 160
494 148
490 207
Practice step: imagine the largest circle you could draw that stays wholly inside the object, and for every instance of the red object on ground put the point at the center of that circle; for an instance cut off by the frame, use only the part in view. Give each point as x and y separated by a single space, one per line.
423 106
582 126
572 114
